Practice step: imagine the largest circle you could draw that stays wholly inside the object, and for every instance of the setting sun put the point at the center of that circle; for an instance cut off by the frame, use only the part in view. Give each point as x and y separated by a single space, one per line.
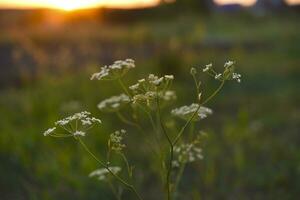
72 4
69 5
241 2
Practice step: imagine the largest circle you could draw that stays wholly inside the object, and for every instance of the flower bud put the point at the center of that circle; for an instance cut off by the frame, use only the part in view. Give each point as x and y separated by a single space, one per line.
193 71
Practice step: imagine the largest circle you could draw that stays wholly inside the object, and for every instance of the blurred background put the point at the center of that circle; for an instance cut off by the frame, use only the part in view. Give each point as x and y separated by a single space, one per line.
49 49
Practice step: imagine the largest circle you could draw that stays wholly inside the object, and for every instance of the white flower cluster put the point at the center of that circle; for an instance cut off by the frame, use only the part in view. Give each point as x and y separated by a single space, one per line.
81 120
207 67
115 141
187 153
168 95
228 73
237 77
115 71
49 131
82 116
113 103
102 173
186 112
151 83
147 89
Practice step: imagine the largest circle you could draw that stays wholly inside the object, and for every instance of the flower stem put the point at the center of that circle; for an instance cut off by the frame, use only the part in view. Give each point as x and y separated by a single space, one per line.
124 87
129 186
169 170
113 189
191 118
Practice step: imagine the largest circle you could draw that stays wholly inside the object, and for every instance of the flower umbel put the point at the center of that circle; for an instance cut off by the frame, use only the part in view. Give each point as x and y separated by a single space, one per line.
114 103
187 153
115 141
186 112
115 71
49 131
228 73
74 125
147 89
102 174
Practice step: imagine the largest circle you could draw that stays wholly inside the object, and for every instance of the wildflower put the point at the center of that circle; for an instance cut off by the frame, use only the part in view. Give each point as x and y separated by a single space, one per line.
175 164
168 95
237 77
86 122
49 131
186 112
207 67
114 103
218 76
115 71
135 86
76 116
72 127
95 120
141 98
193 71
147 89
199 96
79 133
169 77
228 64
115 141
187 152
102 173
158 81
141 80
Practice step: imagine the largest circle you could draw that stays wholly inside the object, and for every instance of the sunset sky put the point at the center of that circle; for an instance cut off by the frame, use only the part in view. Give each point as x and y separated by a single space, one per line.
75 4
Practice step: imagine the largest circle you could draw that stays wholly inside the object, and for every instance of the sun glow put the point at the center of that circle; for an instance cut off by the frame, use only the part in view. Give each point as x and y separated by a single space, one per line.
69 5
241 2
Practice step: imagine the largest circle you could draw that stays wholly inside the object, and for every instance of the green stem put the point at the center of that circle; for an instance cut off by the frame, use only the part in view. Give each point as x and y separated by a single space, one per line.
113 189
129 186
60 135
197 86
192 128
156 136
124 87
214 94
178 178
127 165
169 170
191 118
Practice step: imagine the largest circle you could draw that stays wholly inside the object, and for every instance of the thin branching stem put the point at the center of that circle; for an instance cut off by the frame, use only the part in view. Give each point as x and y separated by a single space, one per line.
144 110
194 114
178 178
181 170
128 185
127 165
113 189
169 170
124 87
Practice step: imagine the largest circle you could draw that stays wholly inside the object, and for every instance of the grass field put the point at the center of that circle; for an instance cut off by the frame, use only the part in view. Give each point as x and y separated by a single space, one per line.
253 146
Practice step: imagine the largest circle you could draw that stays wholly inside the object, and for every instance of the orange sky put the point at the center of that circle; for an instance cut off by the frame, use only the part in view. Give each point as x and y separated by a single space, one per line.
242 2
75 4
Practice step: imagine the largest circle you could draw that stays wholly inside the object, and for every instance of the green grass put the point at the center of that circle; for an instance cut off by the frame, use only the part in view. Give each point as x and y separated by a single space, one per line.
252 150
